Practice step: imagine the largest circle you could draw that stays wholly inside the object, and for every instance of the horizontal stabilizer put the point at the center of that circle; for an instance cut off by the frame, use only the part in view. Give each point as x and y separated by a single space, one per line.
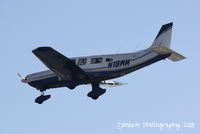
163 50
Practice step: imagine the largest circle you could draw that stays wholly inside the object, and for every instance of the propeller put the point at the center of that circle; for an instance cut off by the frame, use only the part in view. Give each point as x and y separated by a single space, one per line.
23 79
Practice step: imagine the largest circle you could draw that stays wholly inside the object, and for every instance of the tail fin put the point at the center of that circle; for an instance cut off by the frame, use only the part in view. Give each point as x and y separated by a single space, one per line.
164 36
161 44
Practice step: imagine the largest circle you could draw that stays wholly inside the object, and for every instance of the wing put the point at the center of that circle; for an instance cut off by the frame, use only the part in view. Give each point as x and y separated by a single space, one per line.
58 63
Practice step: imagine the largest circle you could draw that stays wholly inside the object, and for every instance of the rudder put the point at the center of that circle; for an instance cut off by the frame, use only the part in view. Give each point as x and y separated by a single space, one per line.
163 37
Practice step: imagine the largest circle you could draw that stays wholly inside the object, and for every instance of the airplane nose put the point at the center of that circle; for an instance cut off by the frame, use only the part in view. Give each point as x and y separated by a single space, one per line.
24 80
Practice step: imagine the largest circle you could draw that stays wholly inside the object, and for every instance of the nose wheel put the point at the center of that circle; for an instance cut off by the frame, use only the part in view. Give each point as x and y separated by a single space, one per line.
42 98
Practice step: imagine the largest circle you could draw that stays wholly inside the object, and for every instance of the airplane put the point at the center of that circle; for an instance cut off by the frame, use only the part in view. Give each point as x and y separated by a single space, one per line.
98 69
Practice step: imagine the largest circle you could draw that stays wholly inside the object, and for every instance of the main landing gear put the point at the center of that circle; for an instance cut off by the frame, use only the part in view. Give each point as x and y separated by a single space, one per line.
42 98
96 91
94 94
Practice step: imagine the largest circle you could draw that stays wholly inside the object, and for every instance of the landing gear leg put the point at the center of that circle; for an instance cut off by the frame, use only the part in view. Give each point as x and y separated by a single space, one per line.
96 91
42 98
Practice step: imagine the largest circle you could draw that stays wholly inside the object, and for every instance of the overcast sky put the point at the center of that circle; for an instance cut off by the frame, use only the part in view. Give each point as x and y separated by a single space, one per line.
165 92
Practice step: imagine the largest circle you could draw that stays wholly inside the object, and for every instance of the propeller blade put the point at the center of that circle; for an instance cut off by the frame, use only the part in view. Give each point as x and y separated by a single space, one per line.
23 79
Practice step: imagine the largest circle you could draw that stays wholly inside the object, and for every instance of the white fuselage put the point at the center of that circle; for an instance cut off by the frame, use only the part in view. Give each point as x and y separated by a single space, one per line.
109 63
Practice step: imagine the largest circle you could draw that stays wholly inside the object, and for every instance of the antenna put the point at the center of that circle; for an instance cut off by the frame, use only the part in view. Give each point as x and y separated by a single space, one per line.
138 44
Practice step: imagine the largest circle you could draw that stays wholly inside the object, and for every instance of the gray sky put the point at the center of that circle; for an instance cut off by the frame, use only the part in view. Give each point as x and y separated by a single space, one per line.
164 92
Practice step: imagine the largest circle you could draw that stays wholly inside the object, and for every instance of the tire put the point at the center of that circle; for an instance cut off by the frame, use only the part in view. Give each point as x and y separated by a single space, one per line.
71 87
42 98
95 97
39 102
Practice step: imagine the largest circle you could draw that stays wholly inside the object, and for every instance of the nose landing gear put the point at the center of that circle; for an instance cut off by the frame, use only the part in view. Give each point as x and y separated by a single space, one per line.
42 98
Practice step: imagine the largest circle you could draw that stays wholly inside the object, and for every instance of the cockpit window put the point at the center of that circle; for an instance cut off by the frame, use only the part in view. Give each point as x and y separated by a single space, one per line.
96 60
82 61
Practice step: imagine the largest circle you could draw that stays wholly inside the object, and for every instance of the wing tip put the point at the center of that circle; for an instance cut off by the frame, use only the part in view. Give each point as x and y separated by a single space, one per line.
41 49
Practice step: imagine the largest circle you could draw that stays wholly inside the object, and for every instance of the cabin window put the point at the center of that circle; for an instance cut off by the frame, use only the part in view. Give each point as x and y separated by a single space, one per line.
82 61
109 59
96 60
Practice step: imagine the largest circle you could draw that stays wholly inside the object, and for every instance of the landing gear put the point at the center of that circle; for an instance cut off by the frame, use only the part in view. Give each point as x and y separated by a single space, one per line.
71 87
42 98
96 91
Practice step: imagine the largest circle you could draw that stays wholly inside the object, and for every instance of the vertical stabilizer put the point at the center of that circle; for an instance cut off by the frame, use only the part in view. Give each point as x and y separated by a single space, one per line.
163 39
161 44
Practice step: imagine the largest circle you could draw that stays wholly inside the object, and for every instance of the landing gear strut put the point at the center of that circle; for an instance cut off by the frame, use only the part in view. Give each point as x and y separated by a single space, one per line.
42 98
96 91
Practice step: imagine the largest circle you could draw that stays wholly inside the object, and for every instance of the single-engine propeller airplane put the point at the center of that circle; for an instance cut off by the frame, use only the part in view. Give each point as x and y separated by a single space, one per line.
96 70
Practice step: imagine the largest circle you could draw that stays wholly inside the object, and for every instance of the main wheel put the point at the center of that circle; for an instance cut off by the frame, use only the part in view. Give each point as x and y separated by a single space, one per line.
71 87
95 97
